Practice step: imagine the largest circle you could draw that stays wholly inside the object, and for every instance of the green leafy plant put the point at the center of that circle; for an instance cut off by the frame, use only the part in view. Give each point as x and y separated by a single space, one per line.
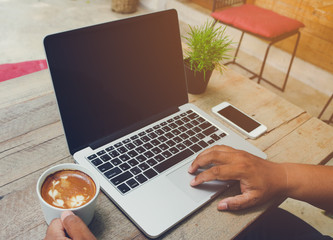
207 47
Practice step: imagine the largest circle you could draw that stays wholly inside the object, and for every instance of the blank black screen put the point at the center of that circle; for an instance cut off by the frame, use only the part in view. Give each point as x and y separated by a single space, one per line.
239 118
111 76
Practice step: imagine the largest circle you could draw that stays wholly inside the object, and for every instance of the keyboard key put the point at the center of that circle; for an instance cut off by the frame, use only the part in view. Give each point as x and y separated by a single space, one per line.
204 125
114 153
155 142
116 161
148 154
159 132
105 167
166 129
162 139
203 144
215 137
145 139
173 150
141 158
118 144
133 162
124 166
194 139
156 150
159 158
140 178
134 137
166 154
170 143
177 139
105 157
137 142
152 135
210 142
151 162
176 132
132 183
121 178
193 116
112 173
143 166
188 143
185 119
169 135
96 161
173 160
184 136
181 146
147 146
122 149
196 148
123 188
101 153
222 135
126 141
179 122
163 146
135 170
91 157
124 157
109 148
130 146
210 131
132 154
150 173
140 149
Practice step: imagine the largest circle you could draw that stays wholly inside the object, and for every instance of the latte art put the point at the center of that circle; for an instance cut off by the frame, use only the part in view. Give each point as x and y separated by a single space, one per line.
68 189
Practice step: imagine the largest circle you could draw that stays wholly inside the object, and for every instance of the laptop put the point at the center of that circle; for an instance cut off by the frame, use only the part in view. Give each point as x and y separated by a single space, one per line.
122 96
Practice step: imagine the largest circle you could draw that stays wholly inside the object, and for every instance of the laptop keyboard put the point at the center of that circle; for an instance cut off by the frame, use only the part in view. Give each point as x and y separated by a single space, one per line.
139 158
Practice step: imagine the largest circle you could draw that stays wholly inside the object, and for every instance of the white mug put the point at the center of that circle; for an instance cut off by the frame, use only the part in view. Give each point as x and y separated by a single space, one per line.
85 212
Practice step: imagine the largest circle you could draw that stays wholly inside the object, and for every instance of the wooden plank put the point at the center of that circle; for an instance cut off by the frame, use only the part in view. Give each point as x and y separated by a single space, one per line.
27 116
35 150
311 143
30 86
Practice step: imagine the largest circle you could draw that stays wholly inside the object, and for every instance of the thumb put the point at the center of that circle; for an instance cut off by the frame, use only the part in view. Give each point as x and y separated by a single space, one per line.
236 203
75 227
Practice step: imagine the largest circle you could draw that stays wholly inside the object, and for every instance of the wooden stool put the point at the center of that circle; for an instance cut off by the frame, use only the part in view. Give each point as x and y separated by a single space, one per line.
259 22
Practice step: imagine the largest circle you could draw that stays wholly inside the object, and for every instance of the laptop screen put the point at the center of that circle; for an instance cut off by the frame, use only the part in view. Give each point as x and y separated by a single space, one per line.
113 76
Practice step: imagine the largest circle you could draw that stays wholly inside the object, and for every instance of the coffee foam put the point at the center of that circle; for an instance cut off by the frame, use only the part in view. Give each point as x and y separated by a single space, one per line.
68 189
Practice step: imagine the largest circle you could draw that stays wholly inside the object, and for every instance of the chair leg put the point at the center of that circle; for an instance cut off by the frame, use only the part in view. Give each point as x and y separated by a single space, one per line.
291 61
264 62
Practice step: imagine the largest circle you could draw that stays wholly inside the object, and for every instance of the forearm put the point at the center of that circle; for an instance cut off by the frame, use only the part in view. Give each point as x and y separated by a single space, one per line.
310 183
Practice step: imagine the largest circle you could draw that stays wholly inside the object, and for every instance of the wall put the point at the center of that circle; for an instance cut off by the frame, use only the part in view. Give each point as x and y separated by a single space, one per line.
316 44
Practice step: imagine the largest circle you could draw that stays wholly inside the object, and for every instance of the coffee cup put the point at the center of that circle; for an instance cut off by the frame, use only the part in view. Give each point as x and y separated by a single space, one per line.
68 186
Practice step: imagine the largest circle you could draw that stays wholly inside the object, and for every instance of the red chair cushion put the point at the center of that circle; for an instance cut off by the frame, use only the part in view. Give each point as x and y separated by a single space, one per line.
257 20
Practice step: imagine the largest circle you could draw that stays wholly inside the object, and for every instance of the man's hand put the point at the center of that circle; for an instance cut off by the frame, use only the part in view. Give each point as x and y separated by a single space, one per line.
259 179
70 224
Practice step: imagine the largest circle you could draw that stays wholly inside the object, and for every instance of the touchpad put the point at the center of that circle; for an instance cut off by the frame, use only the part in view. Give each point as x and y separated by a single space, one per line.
181 179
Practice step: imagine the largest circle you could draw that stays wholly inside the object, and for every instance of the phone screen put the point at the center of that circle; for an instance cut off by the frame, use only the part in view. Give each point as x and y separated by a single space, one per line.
239 118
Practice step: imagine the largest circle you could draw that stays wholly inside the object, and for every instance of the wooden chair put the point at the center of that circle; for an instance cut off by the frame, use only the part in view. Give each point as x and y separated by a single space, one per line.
262 23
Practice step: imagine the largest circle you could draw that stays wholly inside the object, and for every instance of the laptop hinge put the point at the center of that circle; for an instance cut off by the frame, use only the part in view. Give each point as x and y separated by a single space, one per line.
132 128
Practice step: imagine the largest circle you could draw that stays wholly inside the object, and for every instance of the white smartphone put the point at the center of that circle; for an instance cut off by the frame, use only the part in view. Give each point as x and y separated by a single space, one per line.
238 119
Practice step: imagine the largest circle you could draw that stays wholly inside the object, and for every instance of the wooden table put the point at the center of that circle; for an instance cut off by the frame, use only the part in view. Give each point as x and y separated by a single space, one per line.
32 140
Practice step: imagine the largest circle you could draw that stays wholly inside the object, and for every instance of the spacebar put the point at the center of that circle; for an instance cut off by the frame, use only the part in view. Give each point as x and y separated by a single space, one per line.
173 160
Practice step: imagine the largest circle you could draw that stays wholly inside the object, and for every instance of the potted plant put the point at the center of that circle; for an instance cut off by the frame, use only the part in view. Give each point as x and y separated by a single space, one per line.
207 47
124 6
